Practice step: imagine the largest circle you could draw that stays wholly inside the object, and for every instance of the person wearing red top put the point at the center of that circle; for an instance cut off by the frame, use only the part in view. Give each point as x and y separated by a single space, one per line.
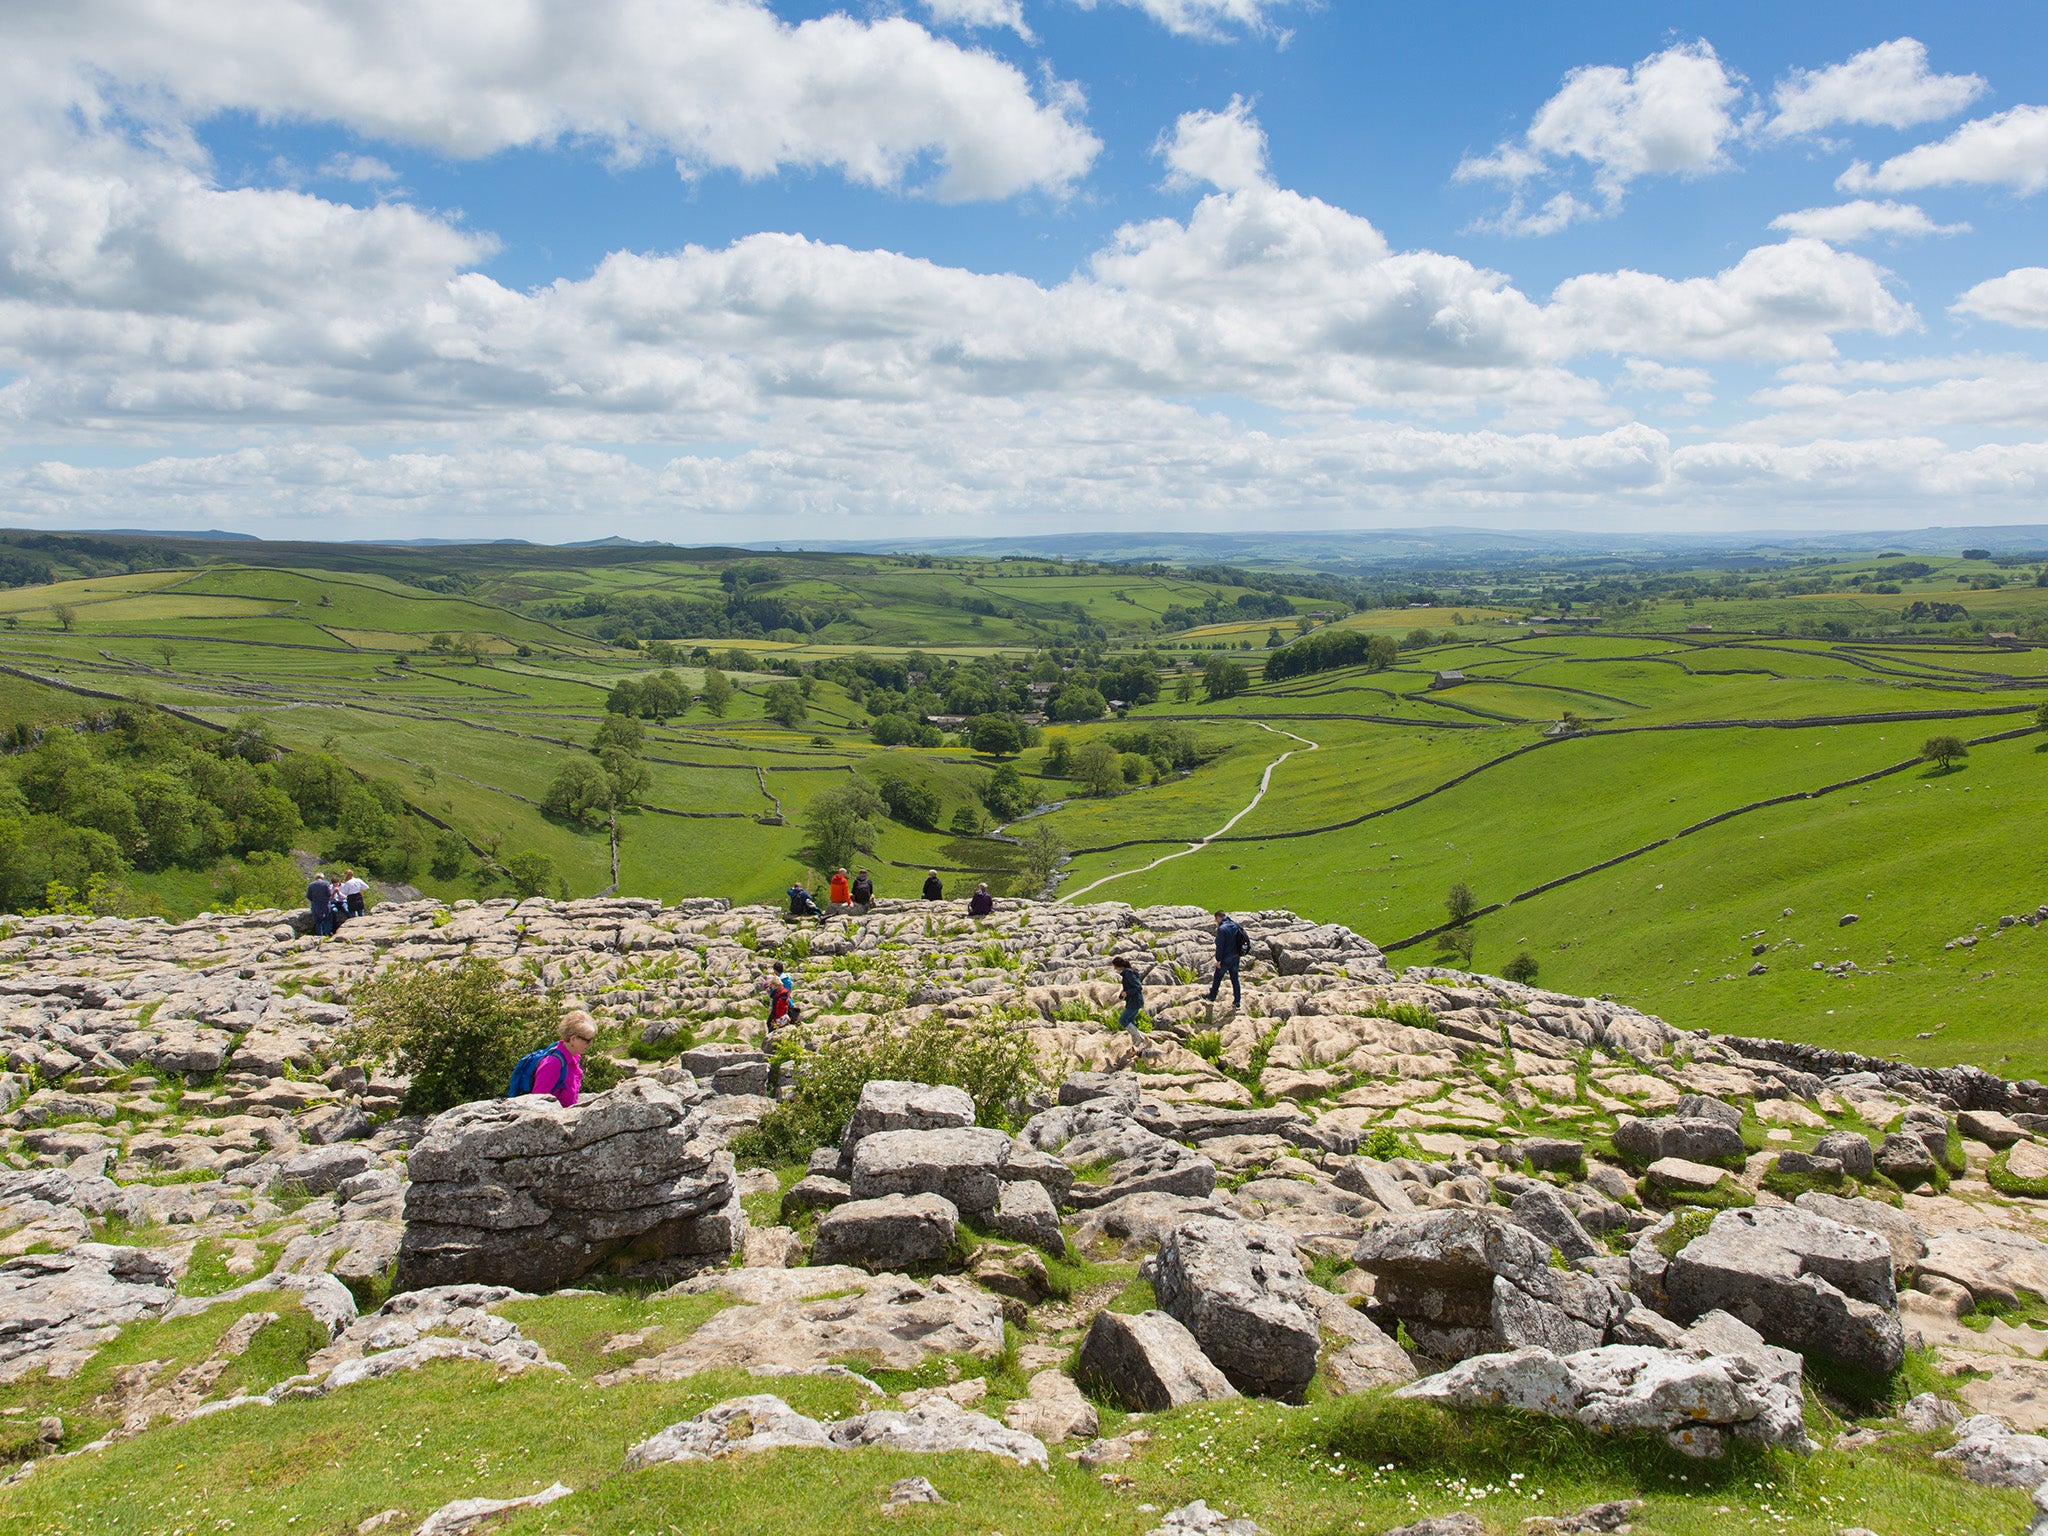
840 891
560 1072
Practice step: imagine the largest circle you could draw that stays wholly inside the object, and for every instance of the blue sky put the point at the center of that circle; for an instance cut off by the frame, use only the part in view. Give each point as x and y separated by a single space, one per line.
709 269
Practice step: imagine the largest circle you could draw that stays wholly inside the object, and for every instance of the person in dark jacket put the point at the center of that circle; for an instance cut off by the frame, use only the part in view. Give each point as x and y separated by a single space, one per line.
1134 1003
801 904
320 900
981 904
933 889
1231 944
863 890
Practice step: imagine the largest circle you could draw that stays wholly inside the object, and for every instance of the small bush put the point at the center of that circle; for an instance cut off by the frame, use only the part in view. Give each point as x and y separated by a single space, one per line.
1384 1143
1208 1045
993 1062
456 1030
1522 968
1685 1226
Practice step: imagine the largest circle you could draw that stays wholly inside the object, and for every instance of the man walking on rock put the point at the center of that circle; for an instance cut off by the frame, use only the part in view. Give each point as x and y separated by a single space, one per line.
1232 943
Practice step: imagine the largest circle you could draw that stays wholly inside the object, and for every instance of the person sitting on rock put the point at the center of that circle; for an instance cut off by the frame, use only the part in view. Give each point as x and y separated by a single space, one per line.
981 903
560 1072
839 891
801 904
863 890
934 888
1134 1003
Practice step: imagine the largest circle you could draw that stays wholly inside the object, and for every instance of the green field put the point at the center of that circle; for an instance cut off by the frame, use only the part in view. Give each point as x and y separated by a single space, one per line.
1587 850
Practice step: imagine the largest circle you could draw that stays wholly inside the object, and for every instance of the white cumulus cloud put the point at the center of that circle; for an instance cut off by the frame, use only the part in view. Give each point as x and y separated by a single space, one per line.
1209 20
1672 114
980 13
1225 149
1846 223
2018 298
2008 149
1887 86
717 84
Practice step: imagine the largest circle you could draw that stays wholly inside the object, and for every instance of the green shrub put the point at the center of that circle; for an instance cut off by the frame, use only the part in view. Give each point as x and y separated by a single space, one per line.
992 1061
1521 968
1208 1045
457 1030
1685 1226
1384 1143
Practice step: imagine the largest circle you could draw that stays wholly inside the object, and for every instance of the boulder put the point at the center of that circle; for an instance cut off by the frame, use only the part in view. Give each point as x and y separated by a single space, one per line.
1990 1127
1700 1139
802 1321
1028 1163
1159 1167
459 1517
1549 1155
1471 1282
1541 1210
891 1232
526 1193
1238 1288
740 1426
1988 1452
58 1308
1905 1160
1801 1281
892 1106
961 1164
1691 1397
1682 1176
1851 1150
815 1192
332 1123
320 1170
1054 1411
1375 1181
1902 1232
1024 1213
1198 1519
1809 1165
936 1425
1700 1106
1148 1362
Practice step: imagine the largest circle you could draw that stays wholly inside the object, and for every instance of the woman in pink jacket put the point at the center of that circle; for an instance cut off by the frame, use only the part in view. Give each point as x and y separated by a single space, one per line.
561 1071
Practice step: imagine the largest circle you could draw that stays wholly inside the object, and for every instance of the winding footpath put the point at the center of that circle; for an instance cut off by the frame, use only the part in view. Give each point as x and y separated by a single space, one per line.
1265 782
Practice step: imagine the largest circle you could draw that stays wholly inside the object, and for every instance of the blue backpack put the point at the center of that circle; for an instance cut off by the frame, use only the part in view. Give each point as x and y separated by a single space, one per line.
529 1064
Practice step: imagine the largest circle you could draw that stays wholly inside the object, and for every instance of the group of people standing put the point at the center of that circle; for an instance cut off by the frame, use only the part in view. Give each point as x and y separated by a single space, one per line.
333 902
859 894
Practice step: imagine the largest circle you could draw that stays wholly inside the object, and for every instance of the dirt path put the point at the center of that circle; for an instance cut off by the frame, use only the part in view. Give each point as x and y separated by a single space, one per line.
1265 782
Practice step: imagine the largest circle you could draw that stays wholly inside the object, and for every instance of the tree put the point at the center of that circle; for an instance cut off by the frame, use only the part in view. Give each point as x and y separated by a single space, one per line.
1184 688
1460 902
968 821
473 644
2041 718
620 733
456 1031
1004 794
841 824
441 642
1223 679
1077 702
996 735
65 614
912 802
448 856
1522 968
1944 750
1042 850
1059 757
168 651
530 873
784 704
1100 766
582 791
718 691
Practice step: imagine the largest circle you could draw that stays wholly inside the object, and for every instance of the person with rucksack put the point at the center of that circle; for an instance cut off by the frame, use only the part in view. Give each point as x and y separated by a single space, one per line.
1134 1003
782 1009
801 903
557 1070
934 887
1232 945
863 889
320 902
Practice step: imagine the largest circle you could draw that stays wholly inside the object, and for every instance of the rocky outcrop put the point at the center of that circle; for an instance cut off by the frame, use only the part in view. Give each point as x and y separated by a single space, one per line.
56 1309
747 1425
523 1192
1801 1281
1238 1288
890 1232
1471 1282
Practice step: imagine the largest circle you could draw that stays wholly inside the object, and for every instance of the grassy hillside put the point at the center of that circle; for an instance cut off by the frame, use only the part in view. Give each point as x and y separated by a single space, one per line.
1398 779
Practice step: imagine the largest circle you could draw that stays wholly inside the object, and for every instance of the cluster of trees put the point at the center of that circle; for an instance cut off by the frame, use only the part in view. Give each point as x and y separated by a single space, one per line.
593 789
748 607
33 559
142 791
1920 612
1329 649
